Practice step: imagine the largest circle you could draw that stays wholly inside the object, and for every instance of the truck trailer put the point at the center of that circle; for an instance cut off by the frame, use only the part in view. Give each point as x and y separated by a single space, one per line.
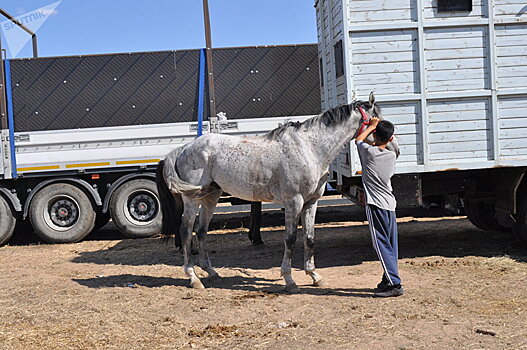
452 77
81 136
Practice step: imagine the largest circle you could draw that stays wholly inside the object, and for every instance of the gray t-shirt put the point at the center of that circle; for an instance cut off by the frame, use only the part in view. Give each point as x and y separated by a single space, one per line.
378 167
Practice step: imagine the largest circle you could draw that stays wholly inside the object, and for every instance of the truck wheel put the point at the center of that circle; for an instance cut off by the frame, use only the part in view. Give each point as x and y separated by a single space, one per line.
482 215
62 213
7 220
135 209
520 228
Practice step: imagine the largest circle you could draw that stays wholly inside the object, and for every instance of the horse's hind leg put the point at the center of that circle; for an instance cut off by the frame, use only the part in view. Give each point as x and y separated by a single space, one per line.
308 225
205 215
292 213
187 223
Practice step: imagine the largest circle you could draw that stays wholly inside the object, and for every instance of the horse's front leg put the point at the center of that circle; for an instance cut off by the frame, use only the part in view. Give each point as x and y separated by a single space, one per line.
187 224
292 213
308 225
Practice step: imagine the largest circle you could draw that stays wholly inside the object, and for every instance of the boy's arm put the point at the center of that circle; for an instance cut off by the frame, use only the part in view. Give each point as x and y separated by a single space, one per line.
368 131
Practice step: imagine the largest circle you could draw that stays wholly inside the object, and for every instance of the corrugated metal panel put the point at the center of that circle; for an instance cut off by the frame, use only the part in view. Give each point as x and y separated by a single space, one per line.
162 87
256 82
105 90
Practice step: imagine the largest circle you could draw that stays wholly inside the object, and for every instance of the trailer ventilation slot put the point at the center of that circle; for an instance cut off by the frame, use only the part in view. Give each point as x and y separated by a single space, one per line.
454 5
339 59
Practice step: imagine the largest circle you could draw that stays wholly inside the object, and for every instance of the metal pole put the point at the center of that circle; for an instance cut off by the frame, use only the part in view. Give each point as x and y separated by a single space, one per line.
213 118
3 100
23 27
35 49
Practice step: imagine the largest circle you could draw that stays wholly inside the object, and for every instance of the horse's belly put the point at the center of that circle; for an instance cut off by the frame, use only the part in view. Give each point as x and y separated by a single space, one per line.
249 192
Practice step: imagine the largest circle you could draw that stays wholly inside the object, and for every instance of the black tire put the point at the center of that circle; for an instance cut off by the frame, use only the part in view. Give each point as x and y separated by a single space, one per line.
7 221
135 209
62 213
482 215
520 228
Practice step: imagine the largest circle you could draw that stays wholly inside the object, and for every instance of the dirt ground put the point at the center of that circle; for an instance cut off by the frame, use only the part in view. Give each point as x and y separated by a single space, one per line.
465 289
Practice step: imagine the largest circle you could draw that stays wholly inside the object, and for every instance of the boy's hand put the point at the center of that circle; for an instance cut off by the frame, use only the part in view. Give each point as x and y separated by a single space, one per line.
373 125
374 121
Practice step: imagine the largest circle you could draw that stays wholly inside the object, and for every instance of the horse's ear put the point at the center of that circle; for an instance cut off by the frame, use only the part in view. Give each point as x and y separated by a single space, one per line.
372 100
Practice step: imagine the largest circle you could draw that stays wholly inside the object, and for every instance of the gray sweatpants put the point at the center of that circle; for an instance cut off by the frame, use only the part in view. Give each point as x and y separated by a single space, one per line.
383 229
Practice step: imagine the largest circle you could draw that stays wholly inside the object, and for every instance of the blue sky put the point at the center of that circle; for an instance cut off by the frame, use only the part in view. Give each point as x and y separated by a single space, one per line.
77 27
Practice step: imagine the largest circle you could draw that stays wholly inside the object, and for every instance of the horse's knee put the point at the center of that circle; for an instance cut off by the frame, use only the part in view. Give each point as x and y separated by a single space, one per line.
290 242
201 233
310 242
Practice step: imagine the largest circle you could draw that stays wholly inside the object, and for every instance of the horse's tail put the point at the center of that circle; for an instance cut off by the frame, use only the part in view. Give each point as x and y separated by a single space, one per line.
170 188
171 207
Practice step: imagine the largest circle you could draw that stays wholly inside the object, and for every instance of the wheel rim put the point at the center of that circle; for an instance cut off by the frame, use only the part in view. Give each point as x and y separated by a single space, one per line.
141 207
62 213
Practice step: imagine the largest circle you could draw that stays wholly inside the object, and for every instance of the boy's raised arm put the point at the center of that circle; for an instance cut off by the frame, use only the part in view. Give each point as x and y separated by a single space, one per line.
368 130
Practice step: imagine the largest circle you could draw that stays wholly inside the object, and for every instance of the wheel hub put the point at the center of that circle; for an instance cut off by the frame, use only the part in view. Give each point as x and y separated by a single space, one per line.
142 207
64 212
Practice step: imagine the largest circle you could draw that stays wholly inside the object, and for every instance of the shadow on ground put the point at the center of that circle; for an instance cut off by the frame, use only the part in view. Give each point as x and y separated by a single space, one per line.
342 245
242 283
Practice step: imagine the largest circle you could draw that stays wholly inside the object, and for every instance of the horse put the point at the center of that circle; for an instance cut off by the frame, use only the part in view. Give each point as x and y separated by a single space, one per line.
288 165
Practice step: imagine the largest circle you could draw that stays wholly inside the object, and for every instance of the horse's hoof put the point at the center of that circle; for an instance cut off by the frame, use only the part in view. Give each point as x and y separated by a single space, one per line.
215 278
321 283
197 285
291 288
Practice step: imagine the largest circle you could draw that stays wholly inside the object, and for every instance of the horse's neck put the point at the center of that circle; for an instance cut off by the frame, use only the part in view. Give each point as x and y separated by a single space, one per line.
327 141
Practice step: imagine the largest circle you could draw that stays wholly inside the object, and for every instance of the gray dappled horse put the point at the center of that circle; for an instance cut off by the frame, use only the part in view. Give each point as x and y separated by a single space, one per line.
288 165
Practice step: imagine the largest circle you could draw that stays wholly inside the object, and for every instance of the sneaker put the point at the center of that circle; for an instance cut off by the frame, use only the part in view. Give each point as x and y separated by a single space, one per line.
383 284
390 291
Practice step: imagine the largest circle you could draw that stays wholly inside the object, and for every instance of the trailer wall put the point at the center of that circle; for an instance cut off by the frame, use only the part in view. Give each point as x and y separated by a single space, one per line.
453 83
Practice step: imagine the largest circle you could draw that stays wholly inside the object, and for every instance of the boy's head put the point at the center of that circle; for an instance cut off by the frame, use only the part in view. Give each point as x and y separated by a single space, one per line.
384 132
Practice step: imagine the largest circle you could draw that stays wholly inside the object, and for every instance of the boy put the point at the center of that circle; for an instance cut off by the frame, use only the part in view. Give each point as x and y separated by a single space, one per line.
378 166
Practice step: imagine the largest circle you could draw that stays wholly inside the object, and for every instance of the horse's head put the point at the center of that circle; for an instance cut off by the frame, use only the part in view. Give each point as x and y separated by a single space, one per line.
365 111
368 110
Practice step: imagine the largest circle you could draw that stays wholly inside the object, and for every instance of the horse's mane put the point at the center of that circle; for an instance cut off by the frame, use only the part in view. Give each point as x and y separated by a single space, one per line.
332 117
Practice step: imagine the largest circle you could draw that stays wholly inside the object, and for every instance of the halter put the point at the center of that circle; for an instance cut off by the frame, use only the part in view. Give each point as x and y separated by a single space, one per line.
364 122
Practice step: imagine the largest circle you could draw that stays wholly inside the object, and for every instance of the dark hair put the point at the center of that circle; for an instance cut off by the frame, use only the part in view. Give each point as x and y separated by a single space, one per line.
384 131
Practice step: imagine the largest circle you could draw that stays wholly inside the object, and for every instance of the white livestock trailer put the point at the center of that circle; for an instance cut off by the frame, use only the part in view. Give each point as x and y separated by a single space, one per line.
452 77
